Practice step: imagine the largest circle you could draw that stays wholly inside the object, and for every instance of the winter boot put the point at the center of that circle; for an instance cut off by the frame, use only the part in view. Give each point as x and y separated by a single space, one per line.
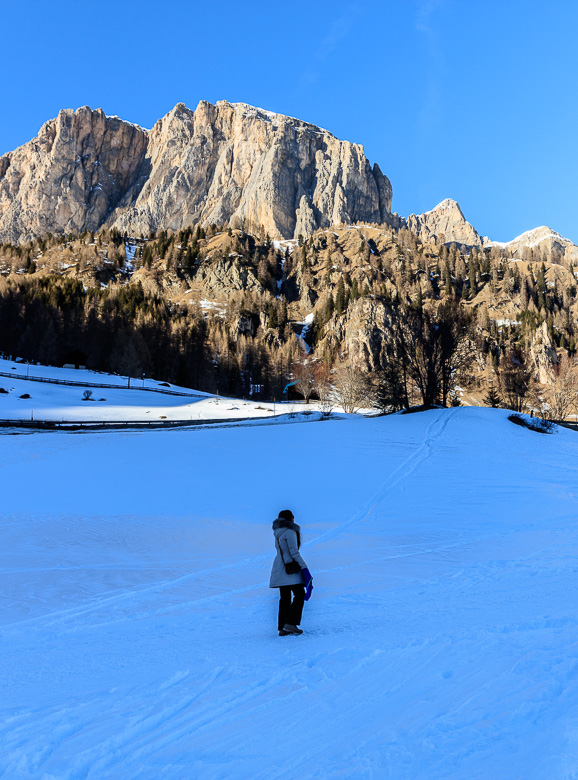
282 632
291 629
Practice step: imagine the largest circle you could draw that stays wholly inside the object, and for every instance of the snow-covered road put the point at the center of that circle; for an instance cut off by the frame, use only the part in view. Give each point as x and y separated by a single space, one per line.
138 634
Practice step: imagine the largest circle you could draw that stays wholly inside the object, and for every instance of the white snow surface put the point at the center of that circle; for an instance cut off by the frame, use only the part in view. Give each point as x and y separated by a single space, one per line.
507 321
286 243
138 631
130 251
64 402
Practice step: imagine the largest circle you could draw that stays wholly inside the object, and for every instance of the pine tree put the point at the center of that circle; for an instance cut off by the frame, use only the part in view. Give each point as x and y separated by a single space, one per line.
340 298
493 398
523 294
473 282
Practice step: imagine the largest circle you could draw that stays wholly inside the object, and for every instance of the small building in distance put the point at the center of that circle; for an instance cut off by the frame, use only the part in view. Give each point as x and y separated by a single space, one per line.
76 358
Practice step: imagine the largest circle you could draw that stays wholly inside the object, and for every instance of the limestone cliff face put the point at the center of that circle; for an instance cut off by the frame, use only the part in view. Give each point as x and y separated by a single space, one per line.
365 333
444 224
70 177
235 163
220 163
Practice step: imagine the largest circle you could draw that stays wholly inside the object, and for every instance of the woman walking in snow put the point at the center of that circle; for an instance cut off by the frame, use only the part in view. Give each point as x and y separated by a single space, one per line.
289 573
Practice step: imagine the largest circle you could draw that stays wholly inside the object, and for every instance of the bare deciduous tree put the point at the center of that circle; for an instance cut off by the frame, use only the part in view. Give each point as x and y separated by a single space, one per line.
563 394
324 388
304 376
430 347
517 382
352 388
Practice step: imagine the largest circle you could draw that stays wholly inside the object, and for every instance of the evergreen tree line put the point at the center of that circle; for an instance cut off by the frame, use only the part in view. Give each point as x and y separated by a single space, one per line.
126 331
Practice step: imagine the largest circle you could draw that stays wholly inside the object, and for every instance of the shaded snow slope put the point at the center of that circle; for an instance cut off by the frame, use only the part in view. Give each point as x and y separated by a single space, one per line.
19 367
63 402
138 633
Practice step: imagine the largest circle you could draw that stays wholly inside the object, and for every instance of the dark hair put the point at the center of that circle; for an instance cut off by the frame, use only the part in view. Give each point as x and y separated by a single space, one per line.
287 514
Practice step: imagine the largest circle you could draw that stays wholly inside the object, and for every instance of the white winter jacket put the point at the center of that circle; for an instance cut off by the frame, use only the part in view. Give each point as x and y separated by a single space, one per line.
286 541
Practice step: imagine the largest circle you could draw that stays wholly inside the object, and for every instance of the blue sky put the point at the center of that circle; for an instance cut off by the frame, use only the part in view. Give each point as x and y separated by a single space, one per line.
472 100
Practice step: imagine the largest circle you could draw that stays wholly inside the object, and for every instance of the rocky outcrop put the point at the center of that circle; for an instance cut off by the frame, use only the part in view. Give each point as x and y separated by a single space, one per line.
541 243
443 225
446 224
362 333
543 354
220 277
70 177
223 163
235 163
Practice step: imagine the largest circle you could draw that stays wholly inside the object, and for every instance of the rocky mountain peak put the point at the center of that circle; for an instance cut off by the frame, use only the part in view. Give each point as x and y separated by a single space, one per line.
444 224
222 163
234 163
534 237
70 176
540 243
447 205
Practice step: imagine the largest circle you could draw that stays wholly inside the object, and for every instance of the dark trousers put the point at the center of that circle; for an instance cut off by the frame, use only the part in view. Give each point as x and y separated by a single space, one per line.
291 611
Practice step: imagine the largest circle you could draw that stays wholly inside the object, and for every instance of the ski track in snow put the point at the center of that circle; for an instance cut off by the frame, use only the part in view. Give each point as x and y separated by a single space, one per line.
403 471
435 646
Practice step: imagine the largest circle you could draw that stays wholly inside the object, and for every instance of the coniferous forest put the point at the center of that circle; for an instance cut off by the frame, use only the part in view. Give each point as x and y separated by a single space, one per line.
224 311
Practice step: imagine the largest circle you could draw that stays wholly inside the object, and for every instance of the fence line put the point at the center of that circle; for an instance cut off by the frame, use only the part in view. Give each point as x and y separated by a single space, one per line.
111 424
573 426
103 424
74 383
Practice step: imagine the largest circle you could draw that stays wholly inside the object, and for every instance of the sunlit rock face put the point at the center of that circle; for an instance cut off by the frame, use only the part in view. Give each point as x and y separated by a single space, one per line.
70 177
444 224
223 163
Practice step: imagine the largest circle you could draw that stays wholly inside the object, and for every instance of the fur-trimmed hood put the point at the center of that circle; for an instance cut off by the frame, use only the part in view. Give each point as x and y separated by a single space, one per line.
280 522
280 525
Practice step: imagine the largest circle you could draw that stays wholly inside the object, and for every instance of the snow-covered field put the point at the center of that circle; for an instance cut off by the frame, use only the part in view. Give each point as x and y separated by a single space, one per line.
64 402
139 637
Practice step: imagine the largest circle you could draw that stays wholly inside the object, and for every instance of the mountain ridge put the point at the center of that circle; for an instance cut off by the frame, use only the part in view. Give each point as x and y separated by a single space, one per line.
222 163
216 164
